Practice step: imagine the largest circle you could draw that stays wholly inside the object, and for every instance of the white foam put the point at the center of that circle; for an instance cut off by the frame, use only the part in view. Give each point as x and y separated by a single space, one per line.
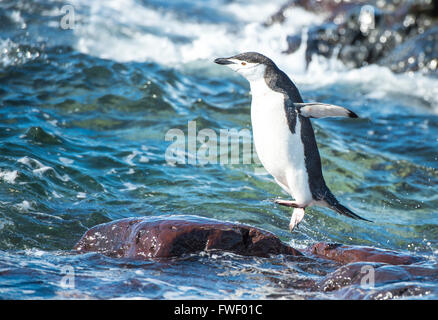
66 161
39 169
46 215
129 42
143 159
128 159
129 186
24 206
5 47
81 195
9 176
56 195
17 18
5 222
9 54
35 252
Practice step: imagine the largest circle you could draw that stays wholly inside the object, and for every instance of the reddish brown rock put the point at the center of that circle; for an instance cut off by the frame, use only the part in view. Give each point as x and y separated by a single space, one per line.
170 236
372 273
359 273
346 254
401 290
365 280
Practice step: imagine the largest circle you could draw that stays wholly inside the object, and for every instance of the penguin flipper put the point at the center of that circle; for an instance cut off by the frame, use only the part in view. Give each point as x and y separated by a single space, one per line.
323 110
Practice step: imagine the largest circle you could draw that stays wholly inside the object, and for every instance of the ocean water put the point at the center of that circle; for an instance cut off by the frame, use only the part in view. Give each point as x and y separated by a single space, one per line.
88 93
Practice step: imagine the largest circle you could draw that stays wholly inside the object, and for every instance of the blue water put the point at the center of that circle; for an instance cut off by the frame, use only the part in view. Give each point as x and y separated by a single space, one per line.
83 119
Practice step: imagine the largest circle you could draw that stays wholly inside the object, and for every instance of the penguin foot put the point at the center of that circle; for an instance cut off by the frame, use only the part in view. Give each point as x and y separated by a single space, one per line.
297 216
287 203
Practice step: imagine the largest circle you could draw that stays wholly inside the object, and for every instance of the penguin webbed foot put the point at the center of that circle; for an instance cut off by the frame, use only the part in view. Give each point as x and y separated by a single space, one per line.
297 213
297 217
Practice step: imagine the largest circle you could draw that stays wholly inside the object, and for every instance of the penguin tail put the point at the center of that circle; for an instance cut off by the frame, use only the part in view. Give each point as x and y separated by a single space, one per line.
339 208
334 204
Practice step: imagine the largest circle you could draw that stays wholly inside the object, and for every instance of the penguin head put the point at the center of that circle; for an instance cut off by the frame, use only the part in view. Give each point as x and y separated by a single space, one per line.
251 65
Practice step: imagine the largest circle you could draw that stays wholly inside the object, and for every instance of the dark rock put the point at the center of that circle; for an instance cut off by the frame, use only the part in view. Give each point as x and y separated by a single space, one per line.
417 54
38 135
348 254
360 36
293 43
170 236
394 33
317 6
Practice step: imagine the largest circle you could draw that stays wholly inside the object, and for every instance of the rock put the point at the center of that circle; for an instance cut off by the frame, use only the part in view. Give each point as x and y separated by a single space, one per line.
365 280
393 33
360 36
39 136
347 254
389 291
293 43
359 274
317 6
366 273
372 273
417 54
170 236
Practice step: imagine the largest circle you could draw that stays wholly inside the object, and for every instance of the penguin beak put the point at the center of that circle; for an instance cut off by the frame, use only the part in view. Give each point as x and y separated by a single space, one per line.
223 61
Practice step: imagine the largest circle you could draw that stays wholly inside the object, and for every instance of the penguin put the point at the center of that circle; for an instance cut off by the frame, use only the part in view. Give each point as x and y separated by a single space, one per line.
283 134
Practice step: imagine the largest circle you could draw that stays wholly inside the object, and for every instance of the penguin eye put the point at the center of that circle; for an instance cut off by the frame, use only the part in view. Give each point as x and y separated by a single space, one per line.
243 63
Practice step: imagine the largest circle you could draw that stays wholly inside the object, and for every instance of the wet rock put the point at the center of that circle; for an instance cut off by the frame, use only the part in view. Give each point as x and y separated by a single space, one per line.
417 54
394 33
170 236
365 280
317 6
372 273
359 274
293 43
358 37
39 136
386 292
347 254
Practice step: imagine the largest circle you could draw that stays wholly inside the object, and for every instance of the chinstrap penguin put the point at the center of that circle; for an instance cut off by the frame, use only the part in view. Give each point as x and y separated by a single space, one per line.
283 134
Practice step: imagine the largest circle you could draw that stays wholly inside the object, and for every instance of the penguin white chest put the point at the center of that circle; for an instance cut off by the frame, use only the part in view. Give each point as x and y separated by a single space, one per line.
280 151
